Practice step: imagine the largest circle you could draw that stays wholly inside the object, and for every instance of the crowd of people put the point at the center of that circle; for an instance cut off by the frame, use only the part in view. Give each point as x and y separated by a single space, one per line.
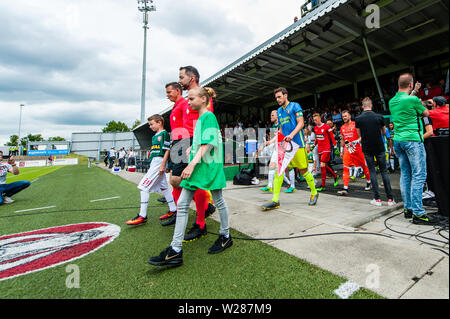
119 158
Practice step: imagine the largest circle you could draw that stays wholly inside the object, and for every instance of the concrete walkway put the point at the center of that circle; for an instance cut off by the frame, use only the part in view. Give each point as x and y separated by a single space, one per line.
398 266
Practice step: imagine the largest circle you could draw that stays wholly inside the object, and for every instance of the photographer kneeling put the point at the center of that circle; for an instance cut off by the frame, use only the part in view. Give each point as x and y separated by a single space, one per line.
8 190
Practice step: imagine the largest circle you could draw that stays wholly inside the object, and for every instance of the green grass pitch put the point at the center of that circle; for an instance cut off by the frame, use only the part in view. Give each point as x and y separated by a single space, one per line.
248 270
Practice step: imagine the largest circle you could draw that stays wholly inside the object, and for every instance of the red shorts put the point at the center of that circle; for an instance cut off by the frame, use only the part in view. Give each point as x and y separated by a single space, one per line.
356 159
325 157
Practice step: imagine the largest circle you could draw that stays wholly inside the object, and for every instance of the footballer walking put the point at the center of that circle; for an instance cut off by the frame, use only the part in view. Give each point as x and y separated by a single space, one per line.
291 147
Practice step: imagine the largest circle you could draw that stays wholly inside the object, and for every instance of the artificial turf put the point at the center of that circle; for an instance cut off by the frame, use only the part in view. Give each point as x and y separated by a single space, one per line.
248 270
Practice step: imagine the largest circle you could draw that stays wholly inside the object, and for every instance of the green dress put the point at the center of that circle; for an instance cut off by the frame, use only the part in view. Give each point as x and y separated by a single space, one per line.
208 173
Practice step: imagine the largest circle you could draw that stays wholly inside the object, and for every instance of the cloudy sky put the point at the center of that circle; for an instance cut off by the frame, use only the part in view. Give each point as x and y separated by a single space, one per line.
77 64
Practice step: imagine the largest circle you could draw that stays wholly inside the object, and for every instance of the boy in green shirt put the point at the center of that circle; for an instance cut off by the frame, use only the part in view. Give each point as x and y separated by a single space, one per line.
205 171
155 179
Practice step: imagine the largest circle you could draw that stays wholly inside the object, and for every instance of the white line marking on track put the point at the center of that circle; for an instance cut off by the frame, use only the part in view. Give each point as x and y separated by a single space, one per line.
28 210
99 200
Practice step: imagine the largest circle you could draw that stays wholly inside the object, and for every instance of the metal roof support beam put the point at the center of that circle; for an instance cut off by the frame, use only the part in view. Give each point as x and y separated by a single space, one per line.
356 33
306 65
380 92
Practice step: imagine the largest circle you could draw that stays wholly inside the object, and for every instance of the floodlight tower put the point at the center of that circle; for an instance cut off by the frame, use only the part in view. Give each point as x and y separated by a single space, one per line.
145 6
20 125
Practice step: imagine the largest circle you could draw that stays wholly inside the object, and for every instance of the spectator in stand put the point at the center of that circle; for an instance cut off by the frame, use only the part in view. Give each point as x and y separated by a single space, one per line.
440 115
8 190
371 127
430 91
406 111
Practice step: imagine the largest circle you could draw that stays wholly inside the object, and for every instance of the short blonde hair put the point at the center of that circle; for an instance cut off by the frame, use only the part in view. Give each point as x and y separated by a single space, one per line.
367 102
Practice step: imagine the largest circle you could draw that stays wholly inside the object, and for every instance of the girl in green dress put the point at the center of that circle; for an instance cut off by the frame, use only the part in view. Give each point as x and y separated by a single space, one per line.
205 171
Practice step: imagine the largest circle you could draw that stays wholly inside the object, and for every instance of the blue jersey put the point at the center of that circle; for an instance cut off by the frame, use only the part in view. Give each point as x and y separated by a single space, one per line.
287 119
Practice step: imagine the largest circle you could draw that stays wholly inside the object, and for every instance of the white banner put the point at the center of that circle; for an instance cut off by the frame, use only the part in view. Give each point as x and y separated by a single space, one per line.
33 163
65 161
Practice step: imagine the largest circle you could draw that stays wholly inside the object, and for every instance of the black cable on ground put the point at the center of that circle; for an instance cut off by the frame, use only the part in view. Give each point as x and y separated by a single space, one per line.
442 226
309 235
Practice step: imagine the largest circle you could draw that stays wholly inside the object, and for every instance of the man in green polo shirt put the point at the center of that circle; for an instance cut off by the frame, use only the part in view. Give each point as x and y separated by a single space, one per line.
406 111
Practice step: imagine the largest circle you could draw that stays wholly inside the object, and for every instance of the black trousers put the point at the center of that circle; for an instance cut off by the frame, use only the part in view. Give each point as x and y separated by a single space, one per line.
371 165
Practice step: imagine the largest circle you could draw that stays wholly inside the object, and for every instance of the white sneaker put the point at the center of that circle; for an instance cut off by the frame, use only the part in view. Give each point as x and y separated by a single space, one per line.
391 202
376 202
8 200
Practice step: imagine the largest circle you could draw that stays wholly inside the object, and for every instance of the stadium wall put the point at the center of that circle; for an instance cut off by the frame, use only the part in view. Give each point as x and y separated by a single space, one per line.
91 144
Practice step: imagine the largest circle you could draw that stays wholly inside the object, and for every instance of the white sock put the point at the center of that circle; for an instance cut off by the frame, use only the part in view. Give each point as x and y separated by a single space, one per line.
285 178
145 197
170 201
350 171
177 250
271 177
292 177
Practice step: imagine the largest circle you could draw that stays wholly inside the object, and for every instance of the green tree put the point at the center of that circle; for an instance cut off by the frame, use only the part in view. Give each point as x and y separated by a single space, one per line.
136 124
12 140
116 127
56 139
31 138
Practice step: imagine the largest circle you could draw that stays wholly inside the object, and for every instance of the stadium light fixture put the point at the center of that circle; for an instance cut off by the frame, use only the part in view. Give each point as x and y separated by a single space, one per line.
144 6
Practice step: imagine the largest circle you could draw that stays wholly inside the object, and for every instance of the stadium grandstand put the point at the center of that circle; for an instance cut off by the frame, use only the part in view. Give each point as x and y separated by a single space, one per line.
334 55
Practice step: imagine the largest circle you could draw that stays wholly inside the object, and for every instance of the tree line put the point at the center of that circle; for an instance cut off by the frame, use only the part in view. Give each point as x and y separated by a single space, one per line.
111 127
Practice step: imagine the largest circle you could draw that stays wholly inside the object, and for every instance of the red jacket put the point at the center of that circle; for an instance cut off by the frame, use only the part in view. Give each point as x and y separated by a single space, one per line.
440 117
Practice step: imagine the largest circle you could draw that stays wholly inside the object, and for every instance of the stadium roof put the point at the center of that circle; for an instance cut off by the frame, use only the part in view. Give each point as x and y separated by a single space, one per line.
324 50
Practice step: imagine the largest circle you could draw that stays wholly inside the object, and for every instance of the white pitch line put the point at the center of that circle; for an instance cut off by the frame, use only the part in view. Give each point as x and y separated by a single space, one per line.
99 200
347 289
28 210
35 180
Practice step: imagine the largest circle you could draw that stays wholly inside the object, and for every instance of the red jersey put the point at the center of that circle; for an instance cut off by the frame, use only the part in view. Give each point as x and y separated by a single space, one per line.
350 133
324 138
177 120
190 118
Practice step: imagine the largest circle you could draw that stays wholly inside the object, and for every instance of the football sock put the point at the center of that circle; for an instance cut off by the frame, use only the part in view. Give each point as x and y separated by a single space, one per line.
169 199
277 182
331 171
323 171
145 196
310 181
292 177
271 177
200 198
176 192
346 176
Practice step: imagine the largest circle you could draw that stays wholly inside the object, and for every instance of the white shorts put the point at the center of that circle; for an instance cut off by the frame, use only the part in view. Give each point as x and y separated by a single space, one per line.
153 182
287 158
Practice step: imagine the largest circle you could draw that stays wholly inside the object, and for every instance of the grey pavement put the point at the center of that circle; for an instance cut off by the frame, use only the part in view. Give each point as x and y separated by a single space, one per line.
394 265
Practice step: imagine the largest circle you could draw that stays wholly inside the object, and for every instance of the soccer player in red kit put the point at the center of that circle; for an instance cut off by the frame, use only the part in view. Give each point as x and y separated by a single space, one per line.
351 151
324 140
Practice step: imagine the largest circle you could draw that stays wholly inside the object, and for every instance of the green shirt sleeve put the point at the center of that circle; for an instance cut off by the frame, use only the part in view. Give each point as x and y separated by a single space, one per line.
166 141
418 106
